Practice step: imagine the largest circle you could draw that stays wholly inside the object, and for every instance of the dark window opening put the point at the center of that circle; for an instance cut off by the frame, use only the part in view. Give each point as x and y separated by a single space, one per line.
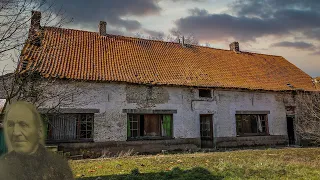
149 126
251 124
205 93
141 124
69 127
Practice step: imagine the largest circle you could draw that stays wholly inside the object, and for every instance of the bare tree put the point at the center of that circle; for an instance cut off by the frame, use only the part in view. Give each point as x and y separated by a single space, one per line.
15 16
20 27
207 44
175 36
308 116
22 35
189 38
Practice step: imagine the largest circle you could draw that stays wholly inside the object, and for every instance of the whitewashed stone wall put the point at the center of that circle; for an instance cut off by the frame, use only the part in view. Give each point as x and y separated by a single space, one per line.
231 101
112 98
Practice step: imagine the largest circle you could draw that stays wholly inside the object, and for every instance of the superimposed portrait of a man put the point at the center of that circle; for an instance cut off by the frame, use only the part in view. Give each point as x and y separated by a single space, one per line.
27 157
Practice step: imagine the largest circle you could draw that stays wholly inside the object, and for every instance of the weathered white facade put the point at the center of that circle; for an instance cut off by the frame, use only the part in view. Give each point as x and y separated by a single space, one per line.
112 100
231 101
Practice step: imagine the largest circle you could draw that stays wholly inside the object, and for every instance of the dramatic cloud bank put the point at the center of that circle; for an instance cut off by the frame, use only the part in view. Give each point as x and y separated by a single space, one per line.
248 20
90 13
296 45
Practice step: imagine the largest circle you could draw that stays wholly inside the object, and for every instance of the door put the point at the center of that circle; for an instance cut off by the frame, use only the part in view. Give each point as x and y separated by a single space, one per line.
206 132
290 129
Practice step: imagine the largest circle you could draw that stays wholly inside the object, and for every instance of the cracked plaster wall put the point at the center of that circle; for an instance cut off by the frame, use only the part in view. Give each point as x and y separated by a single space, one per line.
231 101
111 98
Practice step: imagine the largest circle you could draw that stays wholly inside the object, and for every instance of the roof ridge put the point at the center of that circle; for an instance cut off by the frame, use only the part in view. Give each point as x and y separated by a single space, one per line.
61 28
247 52
153 40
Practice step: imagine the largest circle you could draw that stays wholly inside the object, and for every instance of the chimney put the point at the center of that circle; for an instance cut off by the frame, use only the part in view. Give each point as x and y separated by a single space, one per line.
102 28
234 47
183 41
35 24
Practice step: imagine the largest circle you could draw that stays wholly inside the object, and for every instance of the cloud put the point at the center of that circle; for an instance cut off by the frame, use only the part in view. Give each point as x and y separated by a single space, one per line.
154 33
198 12
248 20
115 32
296 45
266 8
316 53
189 0
114 12
222 26
313 34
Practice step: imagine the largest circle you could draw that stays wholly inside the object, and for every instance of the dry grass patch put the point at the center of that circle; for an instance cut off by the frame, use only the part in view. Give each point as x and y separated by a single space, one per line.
289 163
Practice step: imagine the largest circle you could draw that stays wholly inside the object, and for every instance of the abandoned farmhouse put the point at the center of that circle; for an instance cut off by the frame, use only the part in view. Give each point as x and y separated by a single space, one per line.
151 95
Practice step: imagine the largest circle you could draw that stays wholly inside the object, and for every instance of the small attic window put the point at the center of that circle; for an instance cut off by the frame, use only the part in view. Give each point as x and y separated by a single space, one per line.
206 93
290 85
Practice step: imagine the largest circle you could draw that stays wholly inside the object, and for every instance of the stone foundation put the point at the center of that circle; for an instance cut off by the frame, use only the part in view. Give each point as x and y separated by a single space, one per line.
156 146
251 141
141 147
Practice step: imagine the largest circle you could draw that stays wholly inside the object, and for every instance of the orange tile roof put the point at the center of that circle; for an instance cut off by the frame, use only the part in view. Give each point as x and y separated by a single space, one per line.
317 81
82 55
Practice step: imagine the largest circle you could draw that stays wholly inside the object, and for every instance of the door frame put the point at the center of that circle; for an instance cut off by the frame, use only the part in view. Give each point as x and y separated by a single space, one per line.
294 138
207 140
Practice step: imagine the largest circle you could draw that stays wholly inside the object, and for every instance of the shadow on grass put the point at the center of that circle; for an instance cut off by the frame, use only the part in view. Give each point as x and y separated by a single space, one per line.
197 173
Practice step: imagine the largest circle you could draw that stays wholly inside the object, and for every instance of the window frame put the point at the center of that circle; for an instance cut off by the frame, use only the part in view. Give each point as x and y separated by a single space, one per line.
141 137
211 127
78 131
266 133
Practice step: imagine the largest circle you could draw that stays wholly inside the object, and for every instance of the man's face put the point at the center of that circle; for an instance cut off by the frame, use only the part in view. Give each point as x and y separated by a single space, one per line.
22 130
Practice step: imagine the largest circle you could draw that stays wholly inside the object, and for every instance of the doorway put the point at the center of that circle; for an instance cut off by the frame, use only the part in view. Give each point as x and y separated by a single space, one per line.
290 130
206 132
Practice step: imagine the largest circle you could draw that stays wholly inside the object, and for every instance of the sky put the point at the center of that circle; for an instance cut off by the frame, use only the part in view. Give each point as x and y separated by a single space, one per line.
288 28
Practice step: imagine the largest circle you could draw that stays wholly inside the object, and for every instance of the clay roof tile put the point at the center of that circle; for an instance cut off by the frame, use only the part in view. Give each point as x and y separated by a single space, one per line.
83 55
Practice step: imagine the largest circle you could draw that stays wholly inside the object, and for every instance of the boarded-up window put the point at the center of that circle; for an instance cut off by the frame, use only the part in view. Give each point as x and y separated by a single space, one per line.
152 125
149 125
251 124
68 127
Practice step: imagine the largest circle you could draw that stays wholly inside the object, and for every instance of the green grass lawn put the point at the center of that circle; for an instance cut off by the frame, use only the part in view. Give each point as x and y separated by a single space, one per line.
289 163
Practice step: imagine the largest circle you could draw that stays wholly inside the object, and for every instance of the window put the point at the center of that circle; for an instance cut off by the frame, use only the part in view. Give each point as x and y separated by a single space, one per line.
149 126
205 93
206 126
69 127
251 124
